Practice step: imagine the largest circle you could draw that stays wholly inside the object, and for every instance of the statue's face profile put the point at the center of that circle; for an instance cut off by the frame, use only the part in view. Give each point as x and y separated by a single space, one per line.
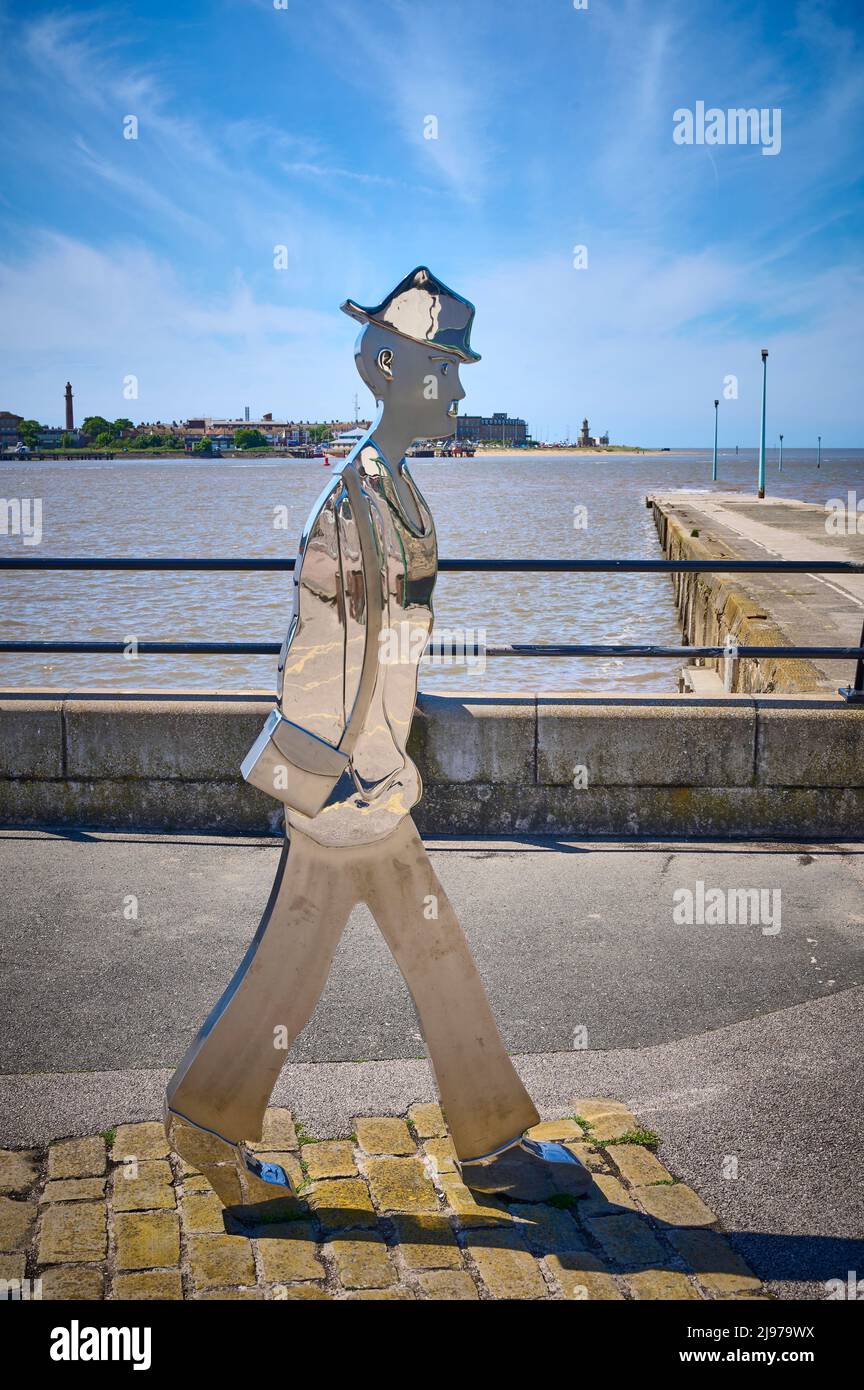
417 383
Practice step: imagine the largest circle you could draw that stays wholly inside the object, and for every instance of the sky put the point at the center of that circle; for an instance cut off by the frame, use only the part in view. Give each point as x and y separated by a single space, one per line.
306 125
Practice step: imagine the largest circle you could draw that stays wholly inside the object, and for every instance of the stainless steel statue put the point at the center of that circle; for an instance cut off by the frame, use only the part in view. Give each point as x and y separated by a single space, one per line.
334 751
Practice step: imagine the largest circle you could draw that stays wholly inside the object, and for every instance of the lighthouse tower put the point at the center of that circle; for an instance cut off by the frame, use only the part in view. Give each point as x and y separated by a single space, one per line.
70 419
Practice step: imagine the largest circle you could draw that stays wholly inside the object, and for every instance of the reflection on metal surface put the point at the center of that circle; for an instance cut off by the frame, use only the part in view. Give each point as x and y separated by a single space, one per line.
334 753
530 1169
366 567
425 310
236 1175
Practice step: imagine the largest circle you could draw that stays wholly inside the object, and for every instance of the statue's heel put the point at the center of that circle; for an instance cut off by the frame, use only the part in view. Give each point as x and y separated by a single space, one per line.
527 1170
237 1177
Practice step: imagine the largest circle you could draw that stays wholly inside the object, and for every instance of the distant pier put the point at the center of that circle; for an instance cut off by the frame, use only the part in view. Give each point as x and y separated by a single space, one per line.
767 609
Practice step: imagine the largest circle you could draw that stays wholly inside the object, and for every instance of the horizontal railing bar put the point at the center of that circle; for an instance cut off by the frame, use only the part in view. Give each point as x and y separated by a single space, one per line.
446 649
465 566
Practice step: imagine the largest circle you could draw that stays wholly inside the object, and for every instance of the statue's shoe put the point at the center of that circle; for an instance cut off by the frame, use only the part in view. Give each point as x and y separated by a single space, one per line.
238 1178
527 1170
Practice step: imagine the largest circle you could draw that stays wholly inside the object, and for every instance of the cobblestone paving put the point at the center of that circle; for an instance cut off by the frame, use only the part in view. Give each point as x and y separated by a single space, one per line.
380 1214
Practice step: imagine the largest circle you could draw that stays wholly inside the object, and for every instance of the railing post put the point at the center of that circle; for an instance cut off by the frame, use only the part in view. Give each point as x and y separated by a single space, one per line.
854 693
762 434
730 663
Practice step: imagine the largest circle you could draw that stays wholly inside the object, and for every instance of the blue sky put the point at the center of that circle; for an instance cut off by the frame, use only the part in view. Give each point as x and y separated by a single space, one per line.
303 126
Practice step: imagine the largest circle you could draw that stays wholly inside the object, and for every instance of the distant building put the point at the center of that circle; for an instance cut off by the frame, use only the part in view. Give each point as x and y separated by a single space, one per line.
349 437
499 428
9 436
70 417
283 433
587 440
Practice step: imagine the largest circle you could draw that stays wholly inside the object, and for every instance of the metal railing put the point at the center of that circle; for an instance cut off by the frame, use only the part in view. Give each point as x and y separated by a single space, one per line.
233 564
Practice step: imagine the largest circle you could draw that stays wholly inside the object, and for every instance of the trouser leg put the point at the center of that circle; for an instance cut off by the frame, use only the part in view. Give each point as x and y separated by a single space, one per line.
225 1081
483 1099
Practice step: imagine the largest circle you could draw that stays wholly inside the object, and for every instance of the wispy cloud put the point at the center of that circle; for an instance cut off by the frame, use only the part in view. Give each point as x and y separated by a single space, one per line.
102 315
413 68
330 173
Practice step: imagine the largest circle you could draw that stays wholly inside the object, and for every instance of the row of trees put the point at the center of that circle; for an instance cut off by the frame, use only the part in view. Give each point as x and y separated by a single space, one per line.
106 434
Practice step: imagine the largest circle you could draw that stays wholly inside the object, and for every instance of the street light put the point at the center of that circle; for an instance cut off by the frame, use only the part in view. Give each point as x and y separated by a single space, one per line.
714 468
780 460
762 436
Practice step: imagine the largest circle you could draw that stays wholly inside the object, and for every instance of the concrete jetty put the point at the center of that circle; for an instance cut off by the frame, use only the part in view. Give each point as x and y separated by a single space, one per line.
767 609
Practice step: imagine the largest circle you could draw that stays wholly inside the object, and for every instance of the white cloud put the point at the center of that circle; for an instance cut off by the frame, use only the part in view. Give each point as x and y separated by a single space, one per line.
98 315
641 343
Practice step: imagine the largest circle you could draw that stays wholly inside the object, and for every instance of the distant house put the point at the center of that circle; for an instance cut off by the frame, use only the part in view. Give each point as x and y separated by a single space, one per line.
9 436
349 437
49 438
499 428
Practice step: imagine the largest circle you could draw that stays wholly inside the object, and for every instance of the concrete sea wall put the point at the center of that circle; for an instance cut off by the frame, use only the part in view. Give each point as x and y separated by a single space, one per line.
714 606
535 764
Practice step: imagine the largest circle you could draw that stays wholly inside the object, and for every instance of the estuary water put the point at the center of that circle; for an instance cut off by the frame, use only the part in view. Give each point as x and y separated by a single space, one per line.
530 506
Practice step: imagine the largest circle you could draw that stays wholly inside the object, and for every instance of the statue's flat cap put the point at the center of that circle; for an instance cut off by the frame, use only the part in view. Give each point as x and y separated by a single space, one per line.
424 310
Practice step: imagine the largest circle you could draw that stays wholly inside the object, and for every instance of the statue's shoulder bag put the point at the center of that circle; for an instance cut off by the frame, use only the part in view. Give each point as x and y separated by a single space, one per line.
287 761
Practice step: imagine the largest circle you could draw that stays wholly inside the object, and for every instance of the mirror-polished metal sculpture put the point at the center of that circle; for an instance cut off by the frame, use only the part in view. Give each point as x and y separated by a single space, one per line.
334 752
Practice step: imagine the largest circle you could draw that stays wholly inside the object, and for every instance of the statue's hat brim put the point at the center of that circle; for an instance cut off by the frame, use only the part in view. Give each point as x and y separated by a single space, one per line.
424 310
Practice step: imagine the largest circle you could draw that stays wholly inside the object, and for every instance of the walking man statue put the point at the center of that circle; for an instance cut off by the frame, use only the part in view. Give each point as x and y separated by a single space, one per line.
334 752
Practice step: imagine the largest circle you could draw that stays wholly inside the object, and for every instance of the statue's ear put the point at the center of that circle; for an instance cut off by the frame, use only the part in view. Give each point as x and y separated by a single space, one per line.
384 362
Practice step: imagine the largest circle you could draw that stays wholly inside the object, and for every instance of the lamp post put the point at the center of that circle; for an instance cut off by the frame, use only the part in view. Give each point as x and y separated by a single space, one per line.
780 460
762 435
819 452
714 466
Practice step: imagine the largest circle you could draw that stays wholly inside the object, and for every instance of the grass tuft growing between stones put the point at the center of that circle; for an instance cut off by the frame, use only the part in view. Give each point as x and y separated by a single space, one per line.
648 1138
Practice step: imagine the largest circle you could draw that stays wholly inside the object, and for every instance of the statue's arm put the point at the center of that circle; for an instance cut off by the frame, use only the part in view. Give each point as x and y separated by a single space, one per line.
379 753
341 604
311 678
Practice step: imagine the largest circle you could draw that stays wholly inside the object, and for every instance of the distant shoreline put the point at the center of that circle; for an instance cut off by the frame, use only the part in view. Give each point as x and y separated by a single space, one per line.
118 455
527 456
566 449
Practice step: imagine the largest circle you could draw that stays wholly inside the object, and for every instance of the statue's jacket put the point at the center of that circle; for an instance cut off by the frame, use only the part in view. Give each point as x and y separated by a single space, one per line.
323 653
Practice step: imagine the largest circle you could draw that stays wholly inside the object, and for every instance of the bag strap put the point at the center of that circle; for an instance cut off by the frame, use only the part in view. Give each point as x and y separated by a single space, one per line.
361 509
